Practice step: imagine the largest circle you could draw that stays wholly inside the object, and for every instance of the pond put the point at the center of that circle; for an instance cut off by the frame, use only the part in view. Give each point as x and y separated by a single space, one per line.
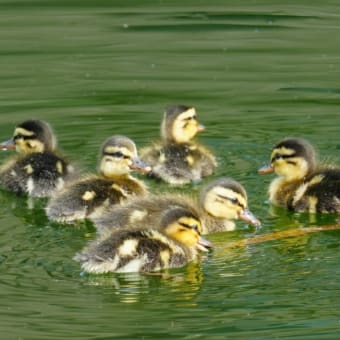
256 72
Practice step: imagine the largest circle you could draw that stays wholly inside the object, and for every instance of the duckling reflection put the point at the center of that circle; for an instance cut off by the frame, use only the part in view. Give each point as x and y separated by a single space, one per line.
172 244
182 285
177 159
302 185
27 210
87 196
38 170
221 202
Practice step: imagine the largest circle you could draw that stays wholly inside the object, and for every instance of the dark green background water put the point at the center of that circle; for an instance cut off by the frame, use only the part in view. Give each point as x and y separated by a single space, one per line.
256 71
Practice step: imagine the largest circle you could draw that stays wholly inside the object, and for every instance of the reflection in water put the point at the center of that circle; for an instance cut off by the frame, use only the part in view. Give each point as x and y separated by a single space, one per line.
183 284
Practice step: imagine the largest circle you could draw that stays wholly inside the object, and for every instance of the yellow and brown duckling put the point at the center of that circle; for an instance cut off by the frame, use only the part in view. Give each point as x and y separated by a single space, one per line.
87 196
173 244
37 170
302 185
220 203
177 159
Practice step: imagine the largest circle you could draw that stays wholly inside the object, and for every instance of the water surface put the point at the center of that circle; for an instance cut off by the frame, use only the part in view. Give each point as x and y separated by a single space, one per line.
256 72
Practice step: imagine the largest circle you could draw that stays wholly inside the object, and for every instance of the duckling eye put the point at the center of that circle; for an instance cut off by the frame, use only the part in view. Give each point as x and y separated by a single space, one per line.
117 154
18 136
277 156
194 227
233 200
281 156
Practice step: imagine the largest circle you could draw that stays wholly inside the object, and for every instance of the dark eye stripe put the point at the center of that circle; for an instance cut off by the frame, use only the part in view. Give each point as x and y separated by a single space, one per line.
280 156
188 226
191 118
232 200
117 154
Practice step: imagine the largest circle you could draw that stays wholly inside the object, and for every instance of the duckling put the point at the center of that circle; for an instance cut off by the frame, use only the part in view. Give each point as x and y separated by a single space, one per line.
220 203
38 170
177 159
302 185
87 196
171 245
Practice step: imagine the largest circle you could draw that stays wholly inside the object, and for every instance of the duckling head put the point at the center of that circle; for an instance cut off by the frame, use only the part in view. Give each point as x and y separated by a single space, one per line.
118 156
227 199
291 158
180 124
185 227
32 136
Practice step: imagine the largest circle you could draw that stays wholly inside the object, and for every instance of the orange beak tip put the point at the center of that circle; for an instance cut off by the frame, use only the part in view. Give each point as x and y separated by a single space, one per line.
249 217
201 128
140 166
266 169
7 147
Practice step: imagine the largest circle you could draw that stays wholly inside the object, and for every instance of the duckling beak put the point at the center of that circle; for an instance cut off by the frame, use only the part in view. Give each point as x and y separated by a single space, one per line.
249 217
8 145
203 244
138 165
266 169
200 128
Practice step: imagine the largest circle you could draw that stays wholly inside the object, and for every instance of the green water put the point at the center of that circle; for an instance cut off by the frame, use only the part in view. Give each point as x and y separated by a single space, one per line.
256 71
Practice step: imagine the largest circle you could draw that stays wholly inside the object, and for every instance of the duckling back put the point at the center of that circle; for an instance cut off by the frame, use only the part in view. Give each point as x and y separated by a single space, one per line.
90 196
36 174
140 211
179 164
320 192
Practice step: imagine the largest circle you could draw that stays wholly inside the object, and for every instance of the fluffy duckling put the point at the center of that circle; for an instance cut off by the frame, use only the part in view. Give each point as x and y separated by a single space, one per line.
87 196
302 186
177 159
171 245
37 171
220 203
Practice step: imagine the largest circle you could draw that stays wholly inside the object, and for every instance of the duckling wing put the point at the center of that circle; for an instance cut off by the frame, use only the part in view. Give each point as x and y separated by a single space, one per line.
37 174
81 199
